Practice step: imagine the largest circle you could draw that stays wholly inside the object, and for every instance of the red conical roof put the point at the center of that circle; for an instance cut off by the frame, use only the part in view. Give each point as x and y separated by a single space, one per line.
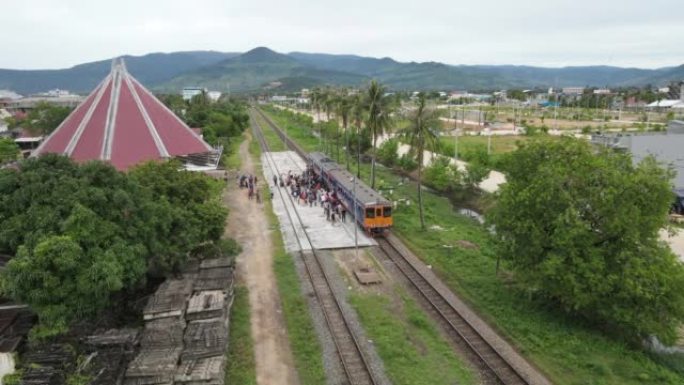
123 123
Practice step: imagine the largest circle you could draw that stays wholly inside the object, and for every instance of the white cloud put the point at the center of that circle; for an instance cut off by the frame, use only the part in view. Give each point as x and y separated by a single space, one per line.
54 34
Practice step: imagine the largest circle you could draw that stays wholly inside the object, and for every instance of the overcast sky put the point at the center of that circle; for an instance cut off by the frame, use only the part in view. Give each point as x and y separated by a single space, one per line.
627 33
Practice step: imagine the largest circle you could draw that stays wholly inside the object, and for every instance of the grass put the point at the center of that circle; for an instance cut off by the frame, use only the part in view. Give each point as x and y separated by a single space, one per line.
569 352
410 346
240 368
304 342
231 157
300 133
500 144
272 139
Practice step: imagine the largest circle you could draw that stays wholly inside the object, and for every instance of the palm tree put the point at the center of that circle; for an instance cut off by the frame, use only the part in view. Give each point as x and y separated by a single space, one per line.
422 134
357 111
344 107
379 110
328 101
316 100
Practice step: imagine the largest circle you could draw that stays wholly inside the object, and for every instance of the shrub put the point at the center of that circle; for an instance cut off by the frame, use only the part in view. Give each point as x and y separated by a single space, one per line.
387 153
441 175
407 163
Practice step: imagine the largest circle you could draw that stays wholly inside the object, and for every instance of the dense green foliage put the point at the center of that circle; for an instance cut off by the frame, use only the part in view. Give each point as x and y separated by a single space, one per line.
218 120
387 153
442 176
581 229
43 118
9 151
82 232
222 122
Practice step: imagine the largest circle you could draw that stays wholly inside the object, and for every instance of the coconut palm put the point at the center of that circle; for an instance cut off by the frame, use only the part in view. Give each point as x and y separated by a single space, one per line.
379 109
357 113
344 107
422 135
316 100
329 103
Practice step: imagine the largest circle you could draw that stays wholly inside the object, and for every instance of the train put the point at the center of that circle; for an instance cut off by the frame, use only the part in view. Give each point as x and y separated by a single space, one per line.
371 210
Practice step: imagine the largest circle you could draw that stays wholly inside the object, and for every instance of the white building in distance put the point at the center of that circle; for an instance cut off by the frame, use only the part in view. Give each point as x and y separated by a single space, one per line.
190 92
214 96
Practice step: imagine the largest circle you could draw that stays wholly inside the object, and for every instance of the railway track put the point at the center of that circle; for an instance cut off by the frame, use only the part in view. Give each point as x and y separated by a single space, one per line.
288 142
458 328
351 356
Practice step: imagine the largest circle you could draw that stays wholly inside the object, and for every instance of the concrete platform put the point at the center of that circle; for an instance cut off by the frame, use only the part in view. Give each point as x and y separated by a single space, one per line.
309 221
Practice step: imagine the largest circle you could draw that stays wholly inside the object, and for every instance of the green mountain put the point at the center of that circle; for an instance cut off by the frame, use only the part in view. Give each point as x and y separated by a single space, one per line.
152 69
432 75
263 69
257 69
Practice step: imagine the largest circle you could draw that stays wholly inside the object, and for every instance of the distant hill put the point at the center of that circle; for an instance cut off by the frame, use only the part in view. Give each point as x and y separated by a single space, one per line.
152 69
262 68
255 69
432 75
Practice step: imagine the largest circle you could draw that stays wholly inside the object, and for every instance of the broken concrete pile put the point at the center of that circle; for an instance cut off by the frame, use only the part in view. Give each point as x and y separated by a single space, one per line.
186 328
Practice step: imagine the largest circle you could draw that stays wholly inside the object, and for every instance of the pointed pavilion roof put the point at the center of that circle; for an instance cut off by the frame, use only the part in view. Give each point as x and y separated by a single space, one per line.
123 123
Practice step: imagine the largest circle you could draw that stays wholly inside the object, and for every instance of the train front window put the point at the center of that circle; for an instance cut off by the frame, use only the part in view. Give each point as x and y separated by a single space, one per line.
370 213
387 212
378 212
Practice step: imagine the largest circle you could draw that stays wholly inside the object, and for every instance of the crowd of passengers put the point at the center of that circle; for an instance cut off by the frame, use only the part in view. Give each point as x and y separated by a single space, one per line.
310 189
249 182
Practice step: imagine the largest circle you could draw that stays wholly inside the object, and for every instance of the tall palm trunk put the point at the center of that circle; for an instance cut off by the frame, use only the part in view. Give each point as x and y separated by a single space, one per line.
373 162
337 141
346 143
358 151
420 183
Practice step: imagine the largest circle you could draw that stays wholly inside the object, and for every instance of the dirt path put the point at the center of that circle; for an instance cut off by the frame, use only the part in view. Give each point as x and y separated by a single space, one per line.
248 224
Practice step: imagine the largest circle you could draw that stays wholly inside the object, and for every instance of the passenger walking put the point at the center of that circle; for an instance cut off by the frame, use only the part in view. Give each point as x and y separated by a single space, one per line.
258 196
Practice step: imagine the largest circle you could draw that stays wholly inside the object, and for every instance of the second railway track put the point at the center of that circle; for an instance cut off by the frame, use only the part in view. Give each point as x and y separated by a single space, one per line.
352 358
457 327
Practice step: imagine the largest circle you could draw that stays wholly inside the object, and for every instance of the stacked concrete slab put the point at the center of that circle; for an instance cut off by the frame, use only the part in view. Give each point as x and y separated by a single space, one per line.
186 331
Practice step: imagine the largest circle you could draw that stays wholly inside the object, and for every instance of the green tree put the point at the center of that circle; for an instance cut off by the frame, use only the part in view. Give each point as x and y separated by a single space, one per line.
388 152
442 176
378 121
517 95
357 115
185 214
9 151
344 109
83 232
580 228
421 135
45 117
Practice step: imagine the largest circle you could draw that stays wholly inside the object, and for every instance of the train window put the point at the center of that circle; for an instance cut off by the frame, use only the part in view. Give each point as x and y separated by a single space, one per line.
370 213
378 212
387 212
